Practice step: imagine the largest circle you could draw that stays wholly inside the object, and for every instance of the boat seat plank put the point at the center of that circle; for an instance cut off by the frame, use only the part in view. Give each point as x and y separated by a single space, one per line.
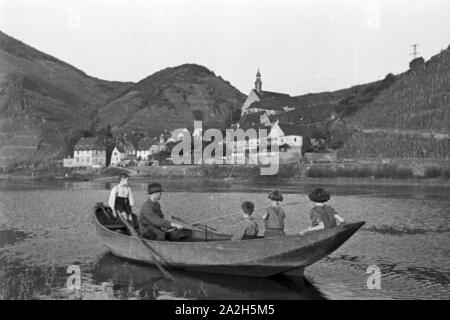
114 226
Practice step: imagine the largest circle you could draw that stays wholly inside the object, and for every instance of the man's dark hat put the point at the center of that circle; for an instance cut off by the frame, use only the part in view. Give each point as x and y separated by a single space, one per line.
276 195
154 188
319 195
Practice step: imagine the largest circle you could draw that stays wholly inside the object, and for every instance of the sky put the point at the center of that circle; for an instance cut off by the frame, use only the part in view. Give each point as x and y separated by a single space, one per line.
300 46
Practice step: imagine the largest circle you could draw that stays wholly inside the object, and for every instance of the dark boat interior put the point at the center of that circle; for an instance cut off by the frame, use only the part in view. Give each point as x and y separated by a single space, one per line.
197 233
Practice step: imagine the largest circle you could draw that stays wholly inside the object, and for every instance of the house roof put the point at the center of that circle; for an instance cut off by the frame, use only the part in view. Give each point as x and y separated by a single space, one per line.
275 103
147 143
269 94
256 127
93 143
120 148
293 130
311 131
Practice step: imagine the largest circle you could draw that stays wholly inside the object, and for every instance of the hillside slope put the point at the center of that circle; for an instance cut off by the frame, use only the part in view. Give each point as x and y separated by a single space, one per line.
419 100
173 98
410 119
45 103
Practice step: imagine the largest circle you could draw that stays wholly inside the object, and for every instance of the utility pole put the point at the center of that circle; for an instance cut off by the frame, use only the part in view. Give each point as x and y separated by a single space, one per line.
415 52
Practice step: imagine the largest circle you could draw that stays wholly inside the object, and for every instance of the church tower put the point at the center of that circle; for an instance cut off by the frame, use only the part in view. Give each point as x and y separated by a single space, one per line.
258 82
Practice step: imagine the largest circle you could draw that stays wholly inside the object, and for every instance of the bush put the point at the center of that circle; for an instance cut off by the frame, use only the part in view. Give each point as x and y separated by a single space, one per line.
446 173
386 171
320 172
364 172
389 171
433 172
113 172
404 173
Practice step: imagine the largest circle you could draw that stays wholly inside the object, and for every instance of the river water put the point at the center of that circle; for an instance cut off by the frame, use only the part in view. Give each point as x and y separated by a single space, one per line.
47 227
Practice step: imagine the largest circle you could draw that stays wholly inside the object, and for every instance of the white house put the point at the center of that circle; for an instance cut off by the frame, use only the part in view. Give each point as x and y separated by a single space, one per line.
88 152
287 134
117 155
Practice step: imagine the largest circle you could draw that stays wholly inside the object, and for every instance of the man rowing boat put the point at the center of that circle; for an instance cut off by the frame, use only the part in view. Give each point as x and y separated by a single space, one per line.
152 224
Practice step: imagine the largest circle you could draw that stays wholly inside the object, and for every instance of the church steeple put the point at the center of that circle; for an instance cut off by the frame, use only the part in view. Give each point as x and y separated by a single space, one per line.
258 82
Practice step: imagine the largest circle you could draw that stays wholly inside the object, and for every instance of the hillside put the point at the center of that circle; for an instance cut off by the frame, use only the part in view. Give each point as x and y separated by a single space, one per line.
411 117
419 100
45 103
173 98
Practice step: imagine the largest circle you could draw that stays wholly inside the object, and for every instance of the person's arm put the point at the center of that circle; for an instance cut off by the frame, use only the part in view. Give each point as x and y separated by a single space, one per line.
112 201
265 215
283 214
155 220
238 234
130 197
316 222
316 227
339 218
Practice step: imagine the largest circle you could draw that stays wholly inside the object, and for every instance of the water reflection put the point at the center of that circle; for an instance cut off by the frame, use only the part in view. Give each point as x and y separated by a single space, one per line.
18 281
145 282
12 236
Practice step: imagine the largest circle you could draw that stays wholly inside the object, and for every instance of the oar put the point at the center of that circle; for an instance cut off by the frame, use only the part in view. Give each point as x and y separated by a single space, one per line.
239 212
198 225
134 234
187 224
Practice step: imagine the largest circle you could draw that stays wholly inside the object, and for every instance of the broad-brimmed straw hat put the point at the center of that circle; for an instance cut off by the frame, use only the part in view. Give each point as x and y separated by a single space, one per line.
319 195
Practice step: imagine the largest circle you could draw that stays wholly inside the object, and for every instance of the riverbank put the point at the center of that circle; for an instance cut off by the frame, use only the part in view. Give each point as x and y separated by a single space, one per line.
66 174
430 173
370 170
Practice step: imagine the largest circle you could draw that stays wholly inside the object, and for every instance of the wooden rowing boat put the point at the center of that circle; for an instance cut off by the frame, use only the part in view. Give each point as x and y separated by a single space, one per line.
213 252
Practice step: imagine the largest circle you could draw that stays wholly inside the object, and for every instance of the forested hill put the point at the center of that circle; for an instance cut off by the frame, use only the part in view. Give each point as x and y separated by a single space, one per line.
418 100
173 98
409 119
45 103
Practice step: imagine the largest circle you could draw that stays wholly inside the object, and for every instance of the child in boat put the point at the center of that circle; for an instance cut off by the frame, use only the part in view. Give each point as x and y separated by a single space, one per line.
274 216
248 228
322 215
121 199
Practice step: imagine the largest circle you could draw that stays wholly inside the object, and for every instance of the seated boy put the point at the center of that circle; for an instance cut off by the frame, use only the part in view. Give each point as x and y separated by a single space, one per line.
248 228
322 216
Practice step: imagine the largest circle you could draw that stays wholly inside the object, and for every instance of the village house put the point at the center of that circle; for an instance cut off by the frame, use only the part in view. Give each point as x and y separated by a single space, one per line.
180 135
130 150
88 152
287 134
147 147
118 155
257 95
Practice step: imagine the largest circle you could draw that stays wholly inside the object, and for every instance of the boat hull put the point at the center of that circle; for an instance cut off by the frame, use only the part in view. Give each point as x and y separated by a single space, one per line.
262 257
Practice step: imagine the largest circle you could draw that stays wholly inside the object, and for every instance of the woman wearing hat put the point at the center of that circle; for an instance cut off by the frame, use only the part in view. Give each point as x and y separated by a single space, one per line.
322 215
274 216
152 224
